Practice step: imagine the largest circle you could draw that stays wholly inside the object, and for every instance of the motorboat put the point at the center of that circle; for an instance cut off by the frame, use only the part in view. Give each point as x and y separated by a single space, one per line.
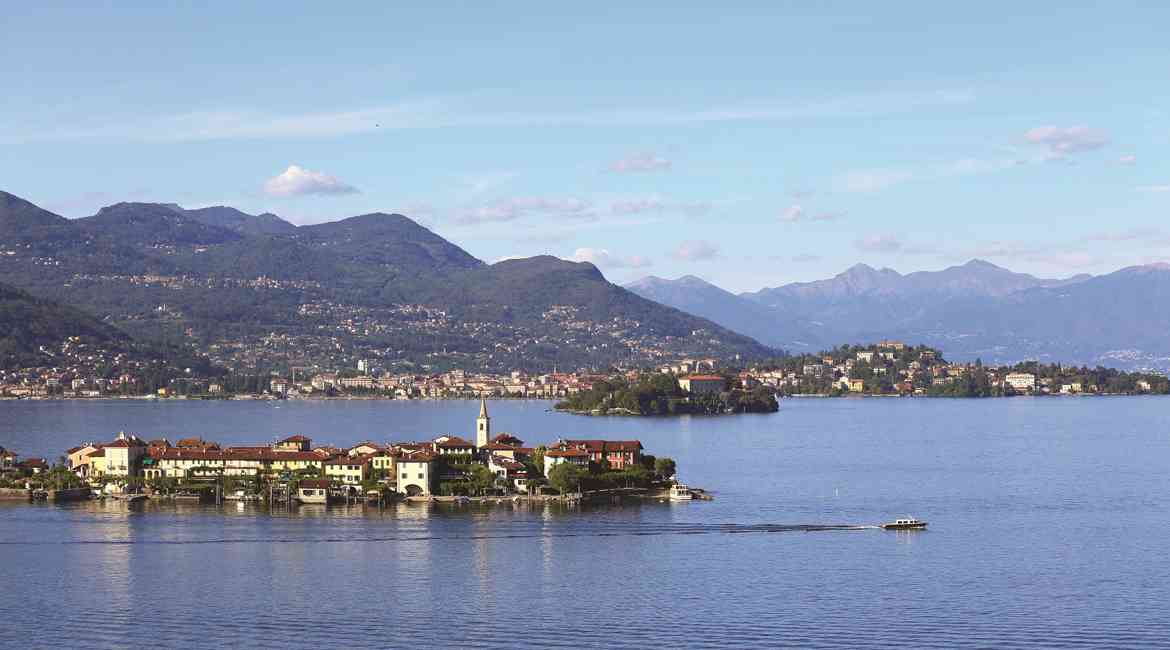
906 523
680 492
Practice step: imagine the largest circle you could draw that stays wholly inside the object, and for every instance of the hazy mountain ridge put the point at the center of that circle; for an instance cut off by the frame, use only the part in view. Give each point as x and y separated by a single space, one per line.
156 267
973 310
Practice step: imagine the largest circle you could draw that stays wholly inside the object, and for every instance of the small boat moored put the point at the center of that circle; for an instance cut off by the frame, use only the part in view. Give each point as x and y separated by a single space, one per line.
907 523
680 492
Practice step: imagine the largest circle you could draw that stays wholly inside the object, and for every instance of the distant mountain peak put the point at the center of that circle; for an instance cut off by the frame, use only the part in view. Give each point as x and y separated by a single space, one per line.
18 215
977 263
137 206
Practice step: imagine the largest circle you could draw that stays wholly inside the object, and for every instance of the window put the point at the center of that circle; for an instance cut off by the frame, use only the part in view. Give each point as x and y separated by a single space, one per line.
420 474
405 475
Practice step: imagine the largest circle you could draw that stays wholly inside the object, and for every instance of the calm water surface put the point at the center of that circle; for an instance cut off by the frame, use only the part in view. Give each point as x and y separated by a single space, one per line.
1049 527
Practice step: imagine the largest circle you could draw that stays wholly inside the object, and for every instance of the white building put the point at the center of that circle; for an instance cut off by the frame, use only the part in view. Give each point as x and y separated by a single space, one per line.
350 470
414 473
1022 381
124 456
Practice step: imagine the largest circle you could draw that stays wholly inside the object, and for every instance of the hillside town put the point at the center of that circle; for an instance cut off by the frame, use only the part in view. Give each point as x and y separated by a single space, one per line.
883 368
447 466
895 368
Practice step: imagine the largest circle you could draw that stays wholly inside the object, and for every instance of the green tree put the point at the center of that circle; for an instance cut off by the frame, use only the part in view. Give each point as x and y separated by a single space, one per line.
481 478
566 477
536 461
664 467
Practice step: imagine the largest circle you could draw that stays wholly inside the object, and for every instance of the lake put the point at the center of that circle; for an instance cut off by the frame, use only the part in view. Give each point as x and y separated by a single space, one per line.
1049 522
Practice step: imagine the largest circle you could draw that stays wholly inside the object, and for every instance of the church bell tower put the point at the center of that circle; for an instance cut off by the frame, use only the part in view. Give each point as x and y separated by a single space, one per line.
483 426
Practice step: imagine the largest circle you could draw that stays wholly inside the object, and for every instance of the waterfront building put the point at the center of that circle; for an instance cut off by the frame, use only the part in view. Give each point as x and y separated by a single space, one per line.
415 471
382 464
613 454
1021 381
123 456
313 490
350 470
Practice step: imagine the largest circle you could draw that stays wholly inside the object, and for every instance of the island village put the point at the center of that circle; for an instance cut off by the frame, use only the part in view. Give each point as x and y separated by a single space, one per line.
293 470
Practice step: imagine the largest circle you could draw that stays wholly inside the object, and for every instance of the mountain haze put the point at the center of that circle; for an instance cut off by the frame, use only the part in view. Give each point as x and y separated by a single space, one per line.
974 310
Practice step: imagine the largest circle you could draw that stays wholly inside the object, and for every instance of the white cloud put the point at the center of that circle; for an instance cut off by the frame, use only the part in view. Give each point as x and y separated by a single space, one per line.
795 213
1127 159
695 250
792 214
1154 188
872 180
486 182
298 181
1061 141
524 206
637 205
879 244
601 257
640 162
642 205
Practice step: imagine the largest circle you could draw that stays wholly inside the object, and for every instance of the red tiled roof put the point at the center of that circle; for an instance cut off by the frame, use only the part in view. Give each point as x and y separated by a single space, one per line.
417 457
349 460
601 446
704 377
565 453
296 438
454 441
238 453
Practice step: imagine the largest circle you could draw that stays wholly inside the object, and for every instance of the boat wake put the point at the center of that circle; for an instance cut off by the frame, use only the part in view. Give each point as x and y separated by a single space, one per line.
509 532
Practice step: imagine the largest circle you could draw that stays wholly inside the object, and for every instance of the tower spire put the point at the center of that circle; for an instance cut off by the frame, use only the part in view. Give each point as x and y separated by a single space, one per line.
483 426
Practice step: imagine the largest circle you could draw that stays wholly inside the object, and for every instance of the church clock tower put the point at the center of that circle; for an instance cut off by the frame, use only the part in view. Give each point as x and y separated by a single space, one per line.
483 426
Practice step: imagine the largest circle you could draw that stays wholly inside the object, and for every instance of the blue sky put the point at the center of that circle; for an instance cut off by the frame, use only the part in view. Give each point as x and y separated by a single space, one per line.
751 144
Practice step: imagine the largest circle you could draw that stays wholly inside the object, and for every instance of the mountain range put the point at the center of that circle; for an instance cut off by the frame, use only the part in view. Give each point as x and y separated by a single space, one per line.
256 291
974 310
